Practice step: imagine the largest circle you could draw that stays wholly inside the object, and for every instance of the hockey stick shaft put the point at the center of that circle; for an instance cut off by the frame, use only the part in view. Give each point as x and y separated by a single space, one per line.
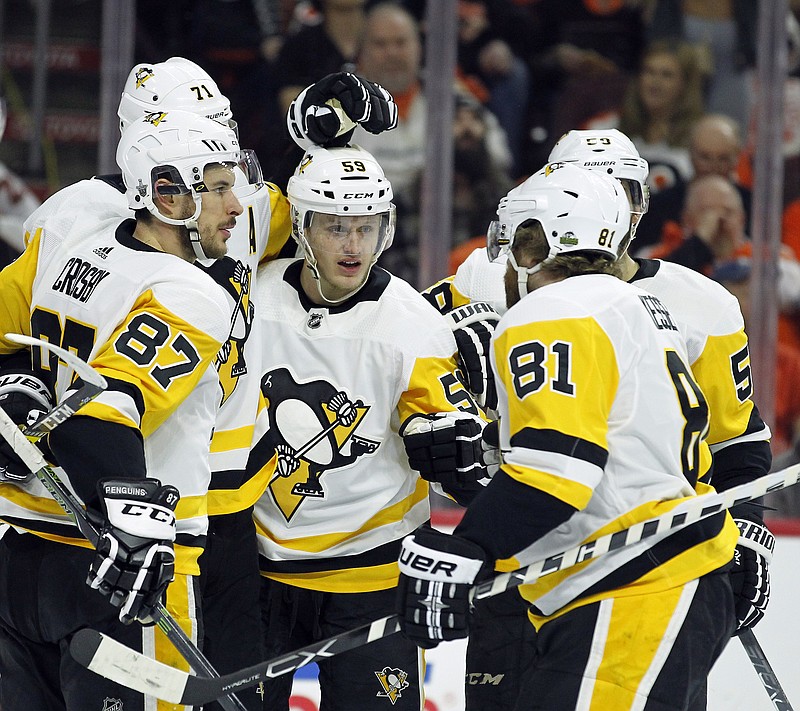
93 385
115 661
33 459
323 433
765 671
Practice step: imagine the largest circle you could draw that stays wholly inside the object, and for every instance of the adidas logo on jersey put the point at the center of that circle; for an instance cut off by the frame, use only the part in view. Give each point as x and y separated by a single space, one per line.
102 252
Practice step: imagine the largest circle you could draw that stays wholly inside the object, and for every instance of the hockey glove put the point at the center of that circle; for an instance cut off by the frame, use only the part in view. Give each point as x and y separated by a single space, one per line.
445 447
436 573
25 399
473 325
326 113
135 560
490 446
750 573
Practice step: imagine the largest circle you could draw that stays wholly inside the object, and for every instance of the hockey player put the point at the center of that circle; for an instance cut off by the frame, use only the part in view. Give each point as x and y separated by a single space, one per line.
601 426
719 358
229 564
357 370
126 297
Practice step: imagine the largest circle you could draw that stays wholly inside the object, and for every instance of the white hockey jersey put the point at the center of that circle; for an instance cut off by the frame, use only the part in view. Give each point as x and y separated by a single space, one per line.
261 233
710 320
151 323
341 494
600 410
708 317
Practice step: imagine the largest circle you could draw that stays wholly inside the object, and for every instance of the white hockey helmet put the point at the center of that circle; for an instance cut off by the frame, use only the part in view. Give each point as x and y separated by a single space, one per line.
177 84
345 181
580 212
609 152
179 145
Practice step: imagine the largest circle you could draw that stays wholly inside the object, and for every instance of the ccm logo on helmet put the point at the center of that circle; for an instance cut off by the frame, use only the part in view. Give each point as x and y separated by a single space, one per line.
425 564
358 196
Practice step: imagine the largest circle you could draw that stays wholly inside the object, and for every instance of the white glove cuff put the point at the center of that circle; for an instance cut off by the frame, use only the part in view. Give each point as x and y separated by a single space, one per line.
471 313
425 563
757 537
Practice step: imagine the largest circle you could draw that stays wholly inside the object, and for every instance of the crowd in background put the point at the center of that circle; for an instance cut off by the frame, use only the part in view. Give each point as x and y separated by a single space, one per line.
677 76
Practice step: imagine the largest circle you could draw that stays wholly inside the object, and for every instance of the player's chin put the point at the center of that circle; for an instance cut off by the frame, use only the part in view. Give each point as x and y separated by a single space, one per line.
217 250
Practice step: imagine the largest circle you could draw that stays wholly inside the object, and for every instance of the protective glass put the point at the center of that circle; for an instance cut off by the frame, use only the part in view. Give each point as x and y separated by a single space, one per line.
498 240
354 235
638 195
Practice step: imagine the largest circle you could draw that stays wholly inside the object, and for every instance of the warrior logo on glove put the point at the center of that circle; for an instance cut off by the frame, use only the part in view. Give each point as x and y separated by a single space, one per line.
313 430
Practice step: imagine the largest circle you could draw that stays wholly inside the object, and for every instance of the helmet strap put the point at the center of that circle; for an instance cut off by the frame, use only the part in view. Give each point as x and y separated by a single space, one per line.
194 239
523 273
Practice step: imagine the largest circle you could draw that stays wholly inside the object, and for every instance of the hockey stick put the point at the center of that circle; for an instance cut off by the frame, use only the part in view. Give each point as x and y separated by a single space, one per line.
765 671
125 666
33 459
323 433
93 385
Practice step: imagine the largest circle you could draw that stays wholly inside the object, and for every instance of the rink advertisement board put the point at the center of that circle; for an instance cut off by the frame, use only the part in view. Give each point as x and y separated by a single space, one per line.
733 686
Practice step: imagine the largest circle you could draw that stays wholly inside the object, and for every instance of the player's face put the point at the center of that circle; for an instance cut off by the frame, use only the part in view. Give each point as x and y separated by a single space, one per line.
343 247
220 208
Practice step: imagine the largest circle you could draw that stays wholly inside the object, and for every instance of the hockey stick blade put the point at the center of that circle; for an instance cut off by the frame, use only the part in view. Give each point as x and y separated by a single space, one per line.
93 385
110 659
765 671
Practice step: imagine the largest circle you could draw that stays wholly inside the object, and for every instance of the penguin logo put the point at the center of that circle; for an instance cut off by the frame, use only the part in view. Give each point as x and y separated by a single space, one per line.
236 278
394 682
312 430
142 75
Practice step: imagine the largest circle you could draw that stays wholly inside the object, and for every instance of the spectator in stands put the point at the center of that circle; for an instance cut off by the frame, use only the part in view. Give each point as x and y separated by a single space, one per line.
715 145
391 55
726 34
479 178
660 107
321 49
236 40
712 226
17 201
583 56
491 37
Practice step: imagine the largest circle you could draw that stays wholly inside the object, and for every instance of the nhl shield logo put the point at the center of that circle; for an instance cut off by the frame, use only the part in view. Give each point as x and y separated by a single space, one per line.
112 704
394 682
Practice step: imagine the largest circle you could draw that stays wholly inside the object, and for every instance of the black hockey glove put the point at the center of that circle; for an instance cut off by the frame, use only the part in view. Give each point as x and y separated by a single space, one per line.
436 573
445 447
473 325
750 573
135 560
326 113
25 399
